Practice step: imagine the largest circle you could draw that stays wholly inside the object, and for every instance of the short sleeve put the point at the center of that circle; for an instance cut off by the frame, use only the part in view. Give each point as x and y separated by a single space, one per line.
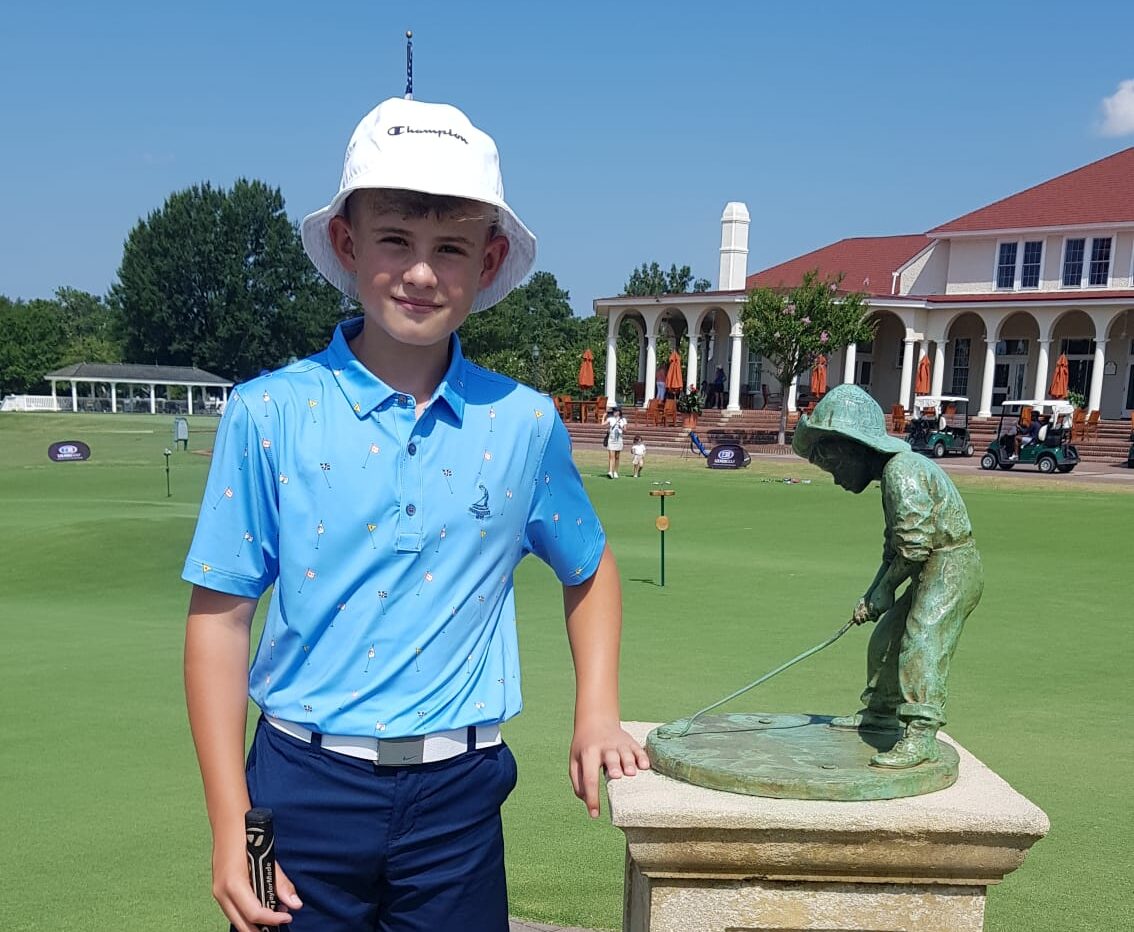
235 548
563 529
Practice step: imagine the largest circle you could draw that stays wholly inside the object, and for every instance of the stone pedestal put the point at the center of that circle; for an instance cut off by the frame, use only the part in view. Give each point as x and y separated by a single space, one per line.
702 860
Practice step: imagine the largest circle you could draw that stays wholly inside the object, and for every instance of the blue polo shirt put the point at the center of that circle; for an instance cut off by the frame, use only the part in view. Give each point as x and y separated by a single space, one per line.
389 541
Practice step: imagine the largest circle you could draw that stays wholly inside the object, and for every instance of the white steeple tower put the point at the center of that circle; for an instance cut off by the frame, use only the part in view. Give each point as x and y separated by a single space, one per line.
734 247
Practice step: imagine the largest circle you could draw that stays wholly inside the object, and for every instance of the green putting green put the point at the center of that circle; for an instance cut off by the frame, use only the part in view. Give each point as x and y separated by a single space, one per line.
104 822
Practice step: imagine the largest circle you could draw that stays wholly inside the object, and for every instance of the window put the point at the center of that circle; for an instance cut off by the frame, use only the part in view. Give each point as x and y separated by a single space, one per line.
1073 262
1030 270
1012 348
1100 261
961 350
1011 272
1081 272
1006 266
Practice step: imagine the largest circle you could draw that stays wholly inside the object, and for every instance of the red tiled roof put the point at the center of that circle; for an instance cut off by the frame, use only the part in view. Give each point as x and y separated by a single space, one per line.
1085 296
1102 192
868 263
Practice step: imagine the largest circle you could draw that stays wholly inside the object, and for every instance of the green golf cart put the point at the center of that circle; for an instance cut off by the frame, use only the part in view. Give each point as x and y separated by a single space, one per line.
1048 448
940 426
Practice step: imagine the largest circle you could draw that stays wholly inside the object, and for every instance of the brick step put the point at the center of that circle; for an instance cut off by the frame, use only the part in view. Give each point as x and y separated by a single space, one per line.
757 431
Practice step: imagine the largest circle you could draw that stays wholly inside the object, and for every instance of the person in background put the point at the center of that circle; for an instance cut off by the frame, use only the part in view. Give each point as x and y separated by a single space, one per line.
717 398
638 452
615 427
659 383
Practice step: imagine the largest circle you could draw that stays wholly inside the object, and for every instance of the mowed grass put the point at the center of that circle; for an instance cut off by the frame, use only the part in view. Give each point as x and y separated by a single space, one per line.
104 826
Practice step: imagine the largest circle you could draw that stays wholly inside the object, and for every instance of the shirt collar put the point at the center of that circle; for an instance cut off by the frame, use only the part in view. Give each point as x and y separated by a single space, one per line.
366 392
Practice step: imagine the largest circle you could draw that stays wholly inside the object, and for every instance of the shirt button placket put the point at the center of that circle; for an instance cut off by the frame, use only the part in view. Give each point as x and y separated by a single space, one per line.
410 481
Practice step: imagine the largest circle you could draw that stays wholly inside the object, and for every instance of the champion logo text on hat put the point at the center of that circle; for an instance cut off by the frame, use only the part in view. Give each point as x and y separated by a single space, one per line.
399 130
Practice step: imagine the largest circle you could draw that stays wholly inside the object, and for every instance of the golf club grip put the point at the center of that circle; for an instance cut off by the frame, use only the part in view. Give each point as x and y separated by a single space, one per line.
261 848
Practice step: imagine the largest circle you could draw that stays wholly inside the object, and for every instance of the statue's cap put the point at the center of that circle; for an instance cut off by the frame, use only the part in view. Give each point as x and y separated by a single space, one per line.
846 411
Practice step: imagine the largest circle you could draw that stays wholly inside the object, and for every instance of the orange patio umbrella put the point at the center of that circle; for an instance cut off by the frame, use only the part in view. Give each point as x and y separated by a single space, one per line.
819 376
921 387
674 380
1061 378
587 370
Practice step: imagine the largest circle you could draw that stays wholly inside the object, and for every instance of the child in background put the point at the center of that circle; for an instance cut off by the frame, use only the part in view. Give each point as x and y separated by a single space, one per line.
638 452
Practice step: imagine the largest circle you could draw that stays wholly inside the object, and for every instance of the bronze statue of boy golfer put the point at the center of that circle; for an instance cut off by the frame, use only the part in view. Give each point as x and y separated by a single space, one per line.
928 541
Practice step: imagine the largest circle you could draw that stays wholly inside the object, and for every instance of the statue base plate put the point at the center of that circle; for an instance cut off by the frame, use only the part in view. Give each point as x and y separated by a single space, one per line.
788 756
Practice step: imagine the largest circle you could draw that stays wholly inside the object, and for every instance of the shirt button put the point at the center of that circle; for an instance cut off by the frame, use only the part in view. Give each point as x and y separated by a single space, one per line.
411 510
403 400
411 449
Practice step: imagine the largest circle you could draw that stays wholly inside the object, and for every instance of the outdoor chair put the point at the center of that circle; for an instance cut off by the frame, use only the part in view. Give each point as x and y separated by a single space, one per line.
1078 425
1092 428
654 412
599 409
669 413
563 406
898 419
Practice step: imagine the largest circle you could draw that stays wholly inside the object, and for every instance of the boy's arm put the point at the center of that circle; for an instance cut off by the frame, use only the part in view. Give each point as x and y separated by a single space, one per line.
594 628
216 693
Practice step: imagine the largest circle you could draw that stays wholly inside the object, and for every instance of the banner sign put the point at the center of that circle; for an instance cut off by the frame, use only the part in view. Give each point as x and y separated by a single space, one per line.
728 456
64 451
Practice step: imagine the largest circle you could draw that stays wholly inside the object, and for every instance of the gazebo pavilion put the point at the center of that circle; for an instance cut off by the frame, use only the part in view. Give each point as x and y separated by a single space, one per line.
213 389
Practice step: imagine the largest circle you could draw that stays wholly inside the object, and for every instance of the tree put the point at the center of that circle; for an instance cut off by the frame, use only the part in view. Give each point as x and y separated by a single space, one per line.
791 328
218 279
647 280
92 329
33 344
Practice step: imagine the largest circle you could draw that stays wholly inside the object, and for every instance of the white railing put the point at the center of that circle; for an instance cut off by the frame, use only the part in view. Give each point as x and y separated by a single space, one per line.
34 403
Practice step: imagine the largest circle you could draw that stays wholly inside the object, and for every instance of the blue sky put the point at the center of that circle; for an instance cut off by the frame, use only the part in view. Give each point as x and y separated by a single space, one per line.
624 128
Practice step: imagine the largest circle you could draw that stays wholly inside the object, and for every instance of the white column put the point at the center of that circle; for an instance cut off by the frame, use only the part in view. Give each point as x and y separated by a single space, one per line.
611 360
224 394
113 397
938 366
691 368
1094 400
1041 369
734 371
153 399
793 389
987 379
54 399
651 368
850 359
907 372
189 395
74 397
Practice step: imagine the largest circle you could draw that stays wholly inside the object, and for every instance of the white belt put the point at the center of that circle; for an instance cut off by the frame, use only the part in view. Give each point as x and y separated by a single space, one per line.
397 752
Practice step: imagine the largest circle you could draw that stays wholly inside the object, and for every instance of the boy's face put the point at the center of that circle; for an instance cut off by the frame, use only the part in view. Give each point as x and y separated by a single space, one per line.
416 276
848 462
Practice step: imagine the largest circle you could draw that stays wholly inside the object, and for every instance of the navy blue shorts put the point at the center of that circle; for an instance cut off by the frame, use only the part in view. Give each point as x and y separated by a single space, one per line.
390 849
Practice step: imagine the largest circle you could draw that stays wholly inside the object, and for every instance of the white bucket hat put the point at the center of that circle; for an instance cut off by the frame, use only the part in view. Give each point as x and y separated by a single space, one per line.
411 145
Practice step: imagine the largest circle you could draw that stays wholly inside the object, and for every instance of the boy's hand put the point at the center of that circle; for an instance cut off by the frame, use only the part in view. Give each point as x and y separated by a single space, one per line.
597 745
233 891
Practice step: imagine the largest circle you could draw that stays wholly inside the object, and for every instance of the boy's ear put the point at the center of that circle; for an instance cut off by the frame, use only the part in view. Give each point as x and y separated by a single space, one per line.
342 241
495 252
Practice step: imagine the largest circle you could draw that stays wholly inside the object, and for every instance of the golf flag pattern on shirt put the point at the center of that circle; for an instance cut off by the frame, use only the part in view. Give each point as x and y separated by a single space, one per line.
383 532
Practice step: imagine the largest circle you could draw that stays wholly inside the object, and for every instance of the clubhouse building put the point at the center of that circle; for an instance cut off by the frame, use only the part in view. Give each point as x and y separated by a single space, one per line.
992 298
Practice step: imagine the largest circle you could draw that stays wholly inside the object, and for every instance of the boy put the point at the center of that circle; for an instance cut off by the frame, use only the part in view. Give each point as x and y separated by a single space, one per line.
386 488
928 542
638 452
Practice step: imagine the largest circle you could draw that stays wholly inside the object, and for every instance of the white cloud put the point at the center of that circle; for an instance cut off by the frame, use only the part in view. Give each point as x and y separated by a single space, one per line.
1118 111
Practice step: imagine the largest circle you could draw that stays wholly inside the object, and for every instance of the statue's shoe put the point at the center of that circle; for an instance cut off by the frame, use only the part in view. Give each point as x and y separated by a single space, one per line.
909 752
867 721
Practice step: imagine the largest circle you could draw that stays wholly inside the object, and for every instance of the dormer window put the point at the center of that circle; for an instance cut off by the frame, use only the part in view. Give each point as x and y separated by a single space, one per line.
1018 265
1080 273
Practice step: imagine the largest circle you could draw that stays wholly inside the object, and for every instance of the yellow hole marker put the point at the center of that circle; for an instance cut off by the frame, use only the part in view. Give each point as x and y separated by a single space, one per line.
662 523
